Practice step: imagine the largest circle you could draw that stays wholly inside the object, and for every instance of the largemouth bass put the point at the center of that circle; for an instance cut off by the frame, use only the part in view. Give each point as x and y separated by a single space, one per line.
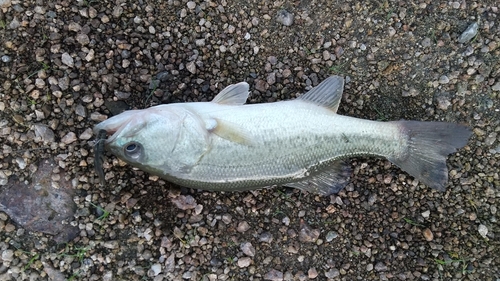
301 143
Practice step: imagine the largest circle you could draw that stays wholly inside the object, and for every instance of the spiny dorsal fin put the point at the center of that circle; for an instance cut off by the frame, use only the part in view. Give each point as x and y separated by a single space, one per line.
328 93
229 131
235 94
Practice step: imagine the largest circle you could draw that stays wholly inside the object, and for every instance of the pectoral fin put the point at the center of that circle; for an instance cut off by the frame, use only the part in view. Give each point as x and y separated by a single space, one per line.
235 94
229 131
330 180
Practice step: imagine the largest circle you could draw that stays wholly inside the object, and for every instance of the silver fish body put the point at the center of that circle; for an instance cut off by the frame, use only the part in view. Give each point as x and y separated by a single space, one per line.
225 145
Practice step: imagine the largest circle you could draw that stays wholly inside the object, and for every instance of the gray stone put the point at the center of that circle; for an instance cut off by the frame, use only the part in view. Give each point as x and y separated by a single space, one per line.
271 78
5 3
44 133
14 24
8 255
83 39
483 230
191 67
274 275
248 249
244 262
86 135
67 60
285 18
185 202
380 267
469 33
69 138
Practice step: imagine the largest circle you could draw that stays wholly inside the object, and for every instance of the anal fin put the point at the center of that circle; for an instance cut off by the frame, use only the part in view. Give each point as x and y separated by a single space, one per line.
329 180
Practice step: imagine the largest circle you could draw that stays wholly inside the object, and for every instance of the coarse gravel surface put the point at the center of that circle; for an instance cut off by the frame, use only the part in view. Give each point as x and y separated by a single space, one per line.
66 65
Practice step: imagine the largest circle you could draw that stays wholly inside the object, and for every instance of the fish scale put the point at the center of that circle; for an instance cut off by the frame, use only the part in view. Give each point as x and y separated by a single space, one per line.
289 150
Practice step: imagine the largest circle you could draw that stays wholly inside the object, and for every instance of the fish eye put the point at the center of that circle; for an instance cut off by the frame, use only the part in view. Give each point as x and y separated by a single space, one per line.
131 147
133 150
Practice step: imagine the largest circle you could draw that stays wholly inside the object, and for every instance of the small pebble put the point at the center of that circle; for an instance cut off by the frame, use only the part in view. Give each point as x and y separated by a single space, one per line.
67 60
312 273
44 133
469 33
90 56
332 273
274 275
284 17
426 214
428 235
14 24
244 262
331 235
380 267
247 249
243 226
266 237
122 95
308 234
444 79
69 138
483 230
5 3
185 202
391 31
369 267
7 255
83 39
426 42
112 244
108 276
21 163
156 268
191 5
443 101
191 67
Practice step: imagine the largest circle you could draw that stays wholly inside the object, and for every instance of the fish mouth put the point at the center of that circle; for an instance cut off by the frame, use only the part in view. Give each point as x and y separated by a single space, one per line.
109 135
118 125
107 132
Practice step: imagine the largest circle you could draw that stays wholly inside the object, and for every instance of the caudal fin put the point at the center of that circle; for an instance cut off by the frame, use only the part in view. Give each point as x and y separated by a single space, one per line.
429 144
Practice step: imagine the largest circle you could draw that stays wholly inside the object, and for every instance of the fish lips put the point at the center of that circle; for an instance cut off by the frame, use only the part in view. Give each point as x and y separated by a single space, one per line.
123 123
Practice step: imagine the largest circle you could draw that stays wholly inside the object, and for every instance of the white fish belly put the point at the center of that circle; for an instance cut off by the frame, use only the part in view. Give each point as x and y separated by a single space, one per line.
289 140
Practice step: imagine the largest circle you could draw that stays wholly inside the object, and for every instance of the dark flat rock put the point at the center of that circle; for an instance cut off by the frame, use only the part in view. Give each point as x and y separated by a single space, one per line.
44 205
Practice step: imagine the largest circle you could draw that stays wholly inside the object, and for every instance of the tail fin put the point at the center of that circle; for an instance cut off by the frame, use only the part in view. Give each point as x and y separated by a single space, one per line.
429 144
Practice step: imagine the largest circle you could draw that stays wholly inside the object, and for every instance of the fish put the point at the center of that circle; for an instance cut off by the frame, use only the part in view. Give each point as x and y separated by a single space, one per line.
227 145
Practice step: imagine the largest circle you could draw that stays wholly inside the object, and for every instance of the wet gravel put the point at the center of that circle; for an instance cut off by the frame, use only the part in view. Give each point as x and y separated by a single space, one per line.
66 65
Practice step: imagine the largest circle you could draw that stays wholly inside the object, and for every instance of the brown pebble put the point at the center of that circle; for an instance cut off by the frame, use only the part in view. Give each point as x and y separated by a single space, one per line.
312 273
9 227
428 234
243 226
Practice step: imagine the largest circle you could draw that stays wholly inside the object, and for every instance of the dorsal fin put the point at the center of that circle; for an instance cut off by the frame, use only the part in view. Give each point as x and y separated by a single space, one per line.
328 93
235 94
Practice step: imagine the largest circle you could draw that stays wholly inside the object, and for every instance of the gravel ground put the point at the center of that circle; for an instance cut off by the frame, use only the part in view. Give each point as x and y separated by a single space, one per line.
66 65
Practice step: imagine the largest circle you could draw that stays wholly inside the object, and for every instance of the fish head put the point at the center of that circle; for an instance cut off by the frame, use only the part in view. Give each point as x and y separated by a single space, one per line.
142 138
161 140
